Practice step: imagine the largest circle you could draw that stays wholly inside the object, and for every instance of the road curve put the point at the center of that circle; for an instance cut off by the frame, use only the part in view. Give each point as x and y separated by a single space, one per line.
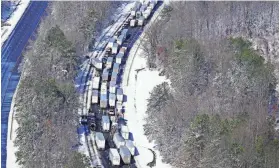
10 59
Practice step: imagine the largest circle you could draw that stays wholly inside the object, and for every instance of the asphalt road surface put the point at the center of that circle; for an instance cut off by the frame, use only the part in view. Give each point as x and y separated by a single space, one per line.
10 59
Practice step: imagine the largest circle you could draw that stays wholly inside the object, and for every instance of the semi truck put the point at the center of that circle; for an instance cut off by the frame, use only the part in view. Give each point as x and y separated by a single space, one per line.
118 106
119 57
115 67
105 75
130 145
100 140
96 82
124 33
109 62
133 22
105 123
114 157
112 86
125 131
97 63
141 21
103 101
111 42
120 39
114 48
119 94
95 96
112 100
125 154
104 88
113 77
118 140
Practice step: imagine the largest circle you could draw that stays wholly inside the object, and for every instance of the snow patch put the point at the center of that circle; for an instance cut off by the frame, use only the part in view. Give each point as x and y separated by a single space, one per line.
138 90
7 30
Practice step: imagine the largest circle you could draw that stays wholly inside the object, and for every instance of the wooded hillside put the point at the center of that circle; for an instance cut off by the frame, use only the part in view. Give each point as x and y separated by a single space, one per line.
215 112
46 100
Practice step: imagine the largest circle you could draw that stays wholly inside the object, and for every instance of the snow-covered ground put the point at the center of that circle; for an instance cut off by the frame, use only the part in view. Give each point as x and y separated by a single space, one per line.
7 30
11 149
137 87
138 91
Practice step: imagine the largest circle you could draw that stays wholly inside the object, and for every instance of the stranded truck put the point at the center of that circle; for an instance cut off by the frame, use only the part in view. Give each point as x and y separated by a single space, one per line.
105 123
125 154
130 145
96 82
114 157
119 94
98 64
100 140
112 86
119 57
118 140
103 101
95 96
109 62
112 100
125 131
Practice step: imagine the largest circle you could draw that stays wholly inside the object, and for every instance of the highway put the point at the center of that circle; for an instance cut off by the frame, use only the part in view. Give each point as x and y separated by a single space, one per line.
10 59
83 89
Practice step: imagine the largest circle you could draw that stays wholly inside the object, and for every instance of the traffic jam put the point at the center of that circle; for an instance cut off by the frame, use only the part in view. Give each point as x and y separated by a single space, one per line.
105 118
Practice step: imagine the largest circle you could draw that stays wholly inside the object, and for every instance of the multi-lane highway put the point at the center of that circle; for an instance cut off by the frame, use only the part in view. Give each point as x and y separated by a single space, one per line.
10 59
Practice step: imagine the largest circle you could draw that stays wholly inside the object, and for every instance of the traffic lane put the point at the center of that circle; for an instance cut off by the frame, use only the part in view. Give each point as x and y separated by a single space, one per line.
9 77
20 33
16 43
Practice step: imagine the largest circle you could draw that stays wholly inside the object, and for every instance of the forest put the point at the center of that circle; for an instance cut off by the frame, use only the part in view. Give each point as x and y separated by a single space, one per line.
46 100
221 59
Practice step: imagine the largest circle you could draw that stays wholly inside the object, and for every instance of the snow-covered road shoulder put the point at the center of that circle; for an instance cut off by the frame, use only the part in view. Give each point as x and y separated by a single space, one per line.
13 20
138 91
137 86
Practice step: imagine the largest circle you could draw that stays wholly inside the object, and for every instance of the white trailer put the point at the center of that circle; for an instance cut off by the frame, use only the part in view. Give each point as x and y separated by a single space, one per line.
97 63
124 32
118 140
105 75
135 8
100 140
115 67
114 157
112 86
133 22
119 94
113 77
95 96
142 8
111 42
125 131
114 48
118 106
125 154
103 101
123 50
112 100
141 21
119 57
104 88
89 96
120 39
130 145
109 62
147 13
105 123
96 82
